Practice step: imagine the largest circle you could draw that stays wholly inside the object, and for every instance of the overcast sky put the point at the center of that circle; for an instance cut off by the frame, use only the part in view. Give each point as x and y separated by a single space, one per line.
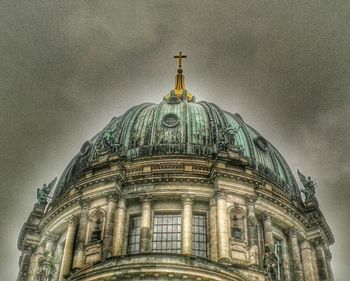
68 67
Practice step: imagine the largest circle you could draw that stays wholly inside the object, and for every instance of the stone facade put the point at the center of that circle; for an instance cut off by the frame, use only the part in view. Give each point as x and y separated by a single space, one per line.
244 211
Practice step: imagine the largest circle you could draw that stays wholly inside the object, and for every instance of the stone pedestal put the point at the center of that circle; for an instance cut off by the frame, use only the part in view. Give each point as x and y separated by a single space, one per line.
145 235
68 251
187 201
119 228
110 218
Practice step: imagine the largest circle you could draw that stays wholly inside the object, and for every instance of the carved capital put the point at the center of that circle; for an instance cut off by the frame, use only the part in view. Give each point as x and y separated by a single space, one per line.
72 220
212 202
318 242
146 199
220 194
112 196
51 237
294 233
266 216
187 199
250 200
85 204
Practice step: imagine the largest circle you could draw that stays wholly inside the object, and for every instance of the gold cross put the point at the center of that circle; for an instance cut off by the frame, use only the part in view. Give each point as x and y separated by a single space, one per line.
180 57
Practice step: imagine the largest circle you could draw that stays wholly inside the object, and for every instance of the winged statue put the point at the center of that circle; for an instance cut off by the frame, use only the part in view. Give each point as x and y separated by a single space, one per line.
43 193
309 189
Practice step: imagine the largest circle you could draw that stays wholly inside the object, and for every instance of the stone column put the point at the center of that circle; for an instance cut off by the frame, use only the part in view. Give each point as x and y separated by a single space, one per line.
110 218
119 228
223 237
145 235
57 260
268 230
306 256
295 253
68 251
187 201
329 263
38 254
213 230
51 240
24 264
321 260
81 235
285 256
252 233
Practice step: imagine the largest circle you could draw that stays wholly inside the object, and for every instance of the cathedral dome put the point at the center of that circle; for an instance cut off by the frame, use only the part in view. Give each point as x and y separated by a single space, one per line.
181 128
173 191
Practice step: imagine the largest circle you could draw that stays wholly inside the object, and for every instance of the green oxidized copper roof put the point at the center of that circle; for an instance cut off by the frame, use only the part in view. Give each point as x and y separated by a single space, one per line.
180 128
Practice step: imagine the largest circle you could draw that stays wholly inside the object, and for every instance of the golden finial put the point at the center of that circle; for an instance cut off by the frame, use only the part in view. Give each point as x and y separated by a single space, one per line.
180 78
180 57
179 92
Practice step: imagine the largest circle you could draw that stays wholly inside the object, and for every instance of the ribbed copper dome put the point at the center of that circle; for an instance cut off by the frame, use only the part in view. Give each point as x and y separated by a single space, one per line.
180 128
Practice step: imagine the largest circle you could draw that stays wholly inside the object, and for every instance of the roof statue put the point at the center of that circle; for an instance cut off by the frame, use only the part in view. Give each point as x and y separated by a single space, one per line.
43 193
309 189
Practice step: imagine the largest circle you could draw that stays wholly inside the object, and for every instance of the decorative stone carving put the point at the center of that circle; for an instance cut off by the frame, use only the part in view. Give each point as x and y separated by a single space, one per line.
309 187
43 192
270 263
46 268
112 196
187 199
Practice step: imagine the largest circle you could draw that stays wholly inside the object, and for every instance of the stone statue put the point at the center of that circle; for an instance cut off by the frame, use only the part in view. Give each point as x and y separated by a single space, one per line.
309 189
270 263
43 193
46 269
109 139
228 137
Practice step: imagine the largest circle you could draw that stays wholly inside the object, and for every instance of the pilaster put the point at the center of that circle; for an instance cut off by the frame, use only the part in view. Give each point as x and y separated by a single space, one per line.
321 260
112 199
81 235
223 236
306 255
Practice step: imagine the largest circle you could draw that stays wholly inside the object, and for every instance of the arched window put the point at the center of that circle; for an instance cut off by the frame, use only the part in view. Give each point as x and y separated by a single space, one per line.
237 224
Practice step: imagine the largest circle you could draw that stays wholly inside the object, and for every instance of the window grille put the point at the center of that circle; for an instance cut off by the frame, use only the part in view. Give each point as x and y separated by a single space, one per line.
199 235
167 233
134 235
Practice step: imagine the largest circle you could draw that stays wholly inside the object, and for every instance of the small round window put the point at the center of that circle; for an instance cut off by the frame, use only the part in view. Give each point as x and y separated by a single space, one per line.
171 120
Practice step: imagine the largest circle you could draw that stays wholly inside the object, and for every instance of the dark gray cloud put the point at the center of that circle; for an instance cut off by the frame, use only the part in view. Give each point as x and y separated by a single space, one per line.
67 67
